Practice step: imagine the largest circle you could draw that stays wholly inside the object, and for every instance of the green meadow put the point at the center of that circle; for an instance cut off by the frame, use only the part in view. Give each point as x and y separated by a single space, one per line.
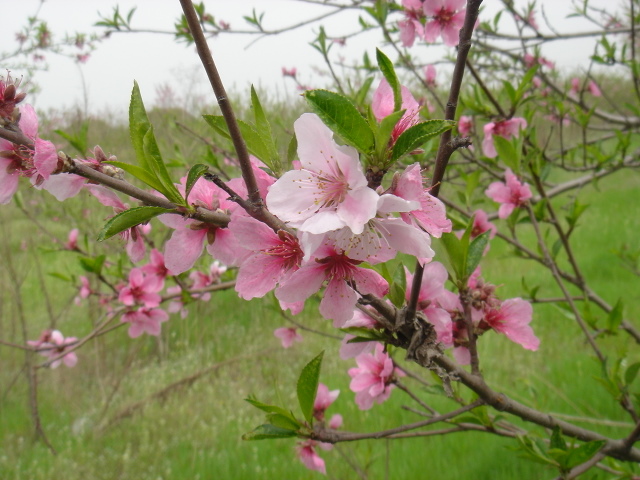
172 407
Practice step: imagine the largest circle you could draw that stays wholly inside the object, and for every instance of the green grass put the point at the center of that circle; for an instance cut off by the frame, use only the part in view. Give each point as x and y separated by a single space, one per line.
194 431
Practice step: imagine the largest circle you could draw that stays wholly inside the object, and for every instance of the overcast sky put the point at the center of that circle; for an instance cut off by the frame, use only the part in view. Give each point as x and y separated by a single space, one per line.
154 59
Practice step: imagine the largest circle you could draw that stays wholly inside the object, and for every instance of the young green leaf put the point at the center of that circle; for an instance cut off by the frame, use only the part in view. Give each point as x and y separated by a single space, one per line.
476 251
138 126
263 128
129 218
283 421
308 386
584 452
268 432
154 160
416 136
140 173
507 152
386 67
254 141
194 174
615 316
341 116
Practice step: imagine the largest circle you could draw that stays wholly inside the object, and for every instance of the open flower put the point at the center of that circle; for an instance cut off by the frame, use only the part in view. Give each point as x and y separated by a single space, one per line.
513 319
287 336
510 195
504 128
330 190
372 379
447 20
383 104
145 320
52 344
411 26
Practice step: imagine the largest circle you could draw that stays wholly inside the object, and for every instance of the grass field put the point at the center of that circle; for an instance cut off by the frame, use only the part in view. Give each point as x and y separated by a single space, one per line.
107 420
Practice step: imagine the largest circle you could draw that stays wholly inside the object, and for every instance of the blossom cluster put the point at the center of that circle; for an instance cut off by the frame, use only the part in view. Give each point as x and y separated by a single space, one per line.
442 18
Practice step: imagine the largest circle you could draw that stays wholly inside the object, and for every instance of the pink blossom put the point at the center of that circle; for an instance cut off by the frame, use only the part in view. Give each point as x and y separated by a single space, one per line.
142 289
411 26
324 399
530 60
465 125
591 86
594 89
434 300
505 128
345 281
510 195
447 20
287 336
72 240
9 95
372 379
431 216
308 456
335 421
85 287
145 320
52 344
156 268
513 319
430 75
273 258
481 224
188 240
289 72
382 106
330 191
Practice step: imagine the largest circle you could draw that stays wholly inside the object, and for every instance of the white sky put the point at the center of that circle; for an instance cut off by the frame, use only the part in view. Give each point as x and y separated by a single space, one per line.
154 59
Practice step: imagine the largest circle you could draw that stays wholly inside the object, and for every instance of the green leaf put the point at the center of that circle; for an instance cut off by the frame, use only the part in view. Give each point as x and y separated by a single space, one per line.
361 94
584 452
398 287
283 421
308 386
615 316
631 373
252 138
154 160
507 152
93 265
269 408
292 150
386 67
194 174
476 251
384 132
456 253
418 135
129 218
268 432
263 129
341 116
138 126
557 441
140 174
364 334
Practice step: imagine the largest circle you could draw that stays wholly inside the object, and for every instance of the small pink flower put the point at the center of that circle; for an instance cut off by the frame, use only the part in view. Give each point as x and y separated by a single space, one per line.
142 289
505 128
594 89
481 224
324 399
431 216
145 320
287 336
513 318
411 26
156 268
447 20
289 72
308 456
465 125
52 344
430 75
72 240
510 195
372 379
